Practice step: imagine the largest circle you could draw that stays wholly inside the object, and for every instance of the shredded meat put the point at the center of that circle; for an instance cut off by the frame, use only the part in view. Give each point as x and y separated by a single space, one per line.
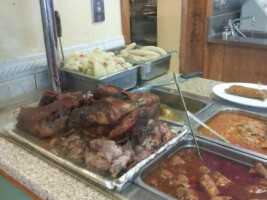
106 155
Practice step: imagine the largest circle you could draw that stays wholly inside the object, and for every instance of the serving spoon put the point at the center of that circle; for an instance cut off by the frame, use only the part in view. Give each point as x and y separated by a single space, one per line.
206 126
187 116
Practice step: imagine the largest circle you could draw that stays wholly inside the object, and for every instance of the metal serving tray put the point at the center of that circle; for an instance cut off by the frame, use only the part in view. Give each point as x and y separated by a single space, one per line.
195 104
149 69
75 81
215 110
41 148
220 150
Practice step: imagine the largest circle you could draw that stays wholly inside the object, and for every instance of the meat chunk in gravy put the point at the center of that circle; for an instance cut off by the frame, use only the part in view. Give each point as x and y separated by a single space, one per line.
220 179
258 168
176 160
204 170
154 182
263 182
257 189
165 174
180 180
186 193
208 185
221 198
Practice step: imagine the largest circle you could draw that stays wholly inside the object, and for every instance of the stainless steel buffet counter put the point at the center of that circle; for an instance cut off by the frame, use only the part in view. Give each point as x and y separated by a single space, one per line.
50 182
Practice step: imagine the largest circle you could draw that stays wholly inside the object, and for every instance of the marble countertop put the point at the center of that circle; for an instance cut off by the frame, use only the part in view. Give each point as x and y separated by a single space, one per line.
48 181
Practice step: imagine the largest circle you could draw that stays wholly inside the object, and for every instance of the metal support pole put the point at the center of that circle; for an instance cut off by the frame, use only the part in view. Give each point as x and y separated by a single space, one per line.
51 45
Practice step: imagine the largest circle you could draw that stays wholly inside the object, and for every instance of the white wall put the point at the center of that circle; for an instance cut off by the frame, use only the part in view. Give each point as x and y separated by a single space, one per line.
21 27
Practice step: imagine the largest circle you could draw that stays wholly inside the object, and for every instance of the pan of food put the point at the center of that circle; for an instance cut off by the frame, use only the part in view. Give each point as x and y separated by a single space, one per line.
86 71
244 129
106 137
171 104
224 173
153 61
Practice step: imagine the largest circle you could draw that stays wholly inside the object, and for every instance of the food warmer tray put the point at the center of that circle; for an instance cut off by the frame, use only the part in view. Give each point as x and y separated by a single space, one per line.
217 108
77 81
41 148
149 69
214 148
195 104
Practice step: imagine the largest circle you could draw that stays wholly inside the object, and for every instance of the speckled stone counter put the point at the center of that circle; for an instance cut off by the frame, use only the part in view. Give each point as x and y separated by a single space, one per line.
48 181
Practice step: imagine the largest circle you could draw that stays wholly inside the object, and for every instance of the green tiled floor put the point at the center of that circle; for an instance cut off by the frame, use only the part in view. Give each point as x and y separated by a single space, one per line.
9 192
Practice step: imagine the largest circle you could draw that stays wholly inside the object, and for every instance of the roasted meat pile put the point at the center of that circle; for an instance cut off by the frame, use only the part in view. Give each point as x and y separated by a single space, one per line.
109 130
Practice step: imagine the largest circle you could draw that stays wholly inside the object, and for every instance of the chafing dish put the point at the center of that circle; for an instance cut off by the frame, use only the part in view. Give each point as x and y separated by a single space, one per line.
215 110
75 81
196 104
149 69
220 150
43 149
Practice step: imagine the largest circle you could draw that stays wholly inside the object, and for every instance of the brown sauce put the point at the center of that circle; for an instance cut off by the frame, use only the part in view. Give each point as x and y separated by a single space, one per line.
237 173
170 113
240 130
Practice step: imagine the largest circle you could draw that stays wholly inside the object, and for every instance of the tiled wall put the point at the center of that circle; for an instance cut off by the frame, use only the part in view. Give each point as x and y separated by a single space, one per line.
24 85
21 76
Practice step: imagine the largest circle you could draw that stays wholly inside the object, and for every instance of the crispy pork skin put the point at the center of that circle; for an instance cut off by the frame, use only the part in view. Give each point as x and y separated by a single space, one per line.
48 97
106 111
48 120
105 91
116 114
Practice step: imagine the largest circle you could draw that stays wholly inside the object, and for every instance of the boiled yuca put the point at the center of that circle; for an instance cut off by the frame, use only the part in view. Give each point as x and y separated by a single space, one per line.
141 52
158 50
130 47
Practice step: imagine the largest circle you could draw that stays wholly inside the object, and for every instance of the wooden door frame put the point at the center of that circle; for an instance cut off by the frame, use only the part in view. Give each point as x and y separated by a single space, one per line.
185 33
125 20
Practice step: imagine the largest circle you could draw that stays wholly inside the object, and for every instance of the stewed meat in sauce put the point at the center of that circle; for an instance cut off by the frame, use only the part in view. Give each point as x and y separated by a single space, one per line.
240 130
216 179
